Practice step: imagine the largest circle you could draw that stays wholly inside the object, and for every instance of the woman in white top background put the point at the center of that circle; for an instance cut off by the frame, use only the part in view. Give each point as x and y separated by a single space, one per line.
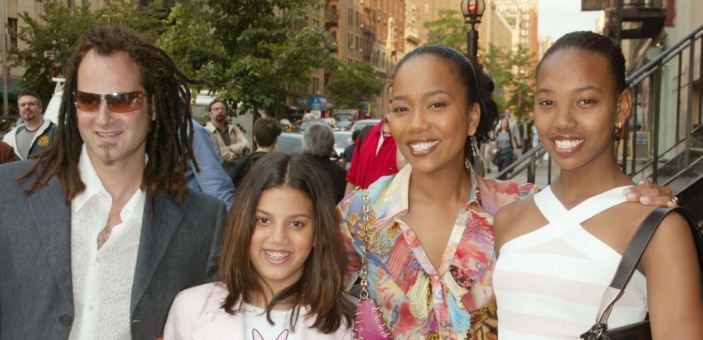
559 250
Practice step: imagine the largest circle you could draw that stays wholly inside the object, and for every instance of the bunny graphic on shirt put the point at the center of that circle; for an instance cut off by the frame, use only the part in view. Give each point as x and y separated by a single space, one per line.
257 336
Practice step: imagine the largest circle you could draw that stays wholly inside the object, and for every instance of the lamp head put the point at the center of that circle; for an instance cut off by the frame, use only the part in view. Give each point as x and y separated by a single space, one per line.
473 10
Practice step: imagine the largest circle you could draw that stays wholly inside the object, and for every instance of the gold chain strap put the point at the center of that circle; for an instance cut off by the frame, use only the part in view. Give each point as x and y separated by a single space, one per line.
364 233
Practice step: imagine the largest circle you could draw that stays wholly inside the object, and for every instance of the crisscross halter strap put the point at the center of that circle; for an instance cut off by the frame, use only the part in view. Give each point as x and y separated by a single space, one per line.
554 211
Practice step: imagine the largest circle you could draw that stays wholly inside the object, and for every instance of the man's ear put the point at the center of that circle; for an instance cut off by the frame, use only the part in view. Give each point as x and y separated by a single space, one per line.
474 116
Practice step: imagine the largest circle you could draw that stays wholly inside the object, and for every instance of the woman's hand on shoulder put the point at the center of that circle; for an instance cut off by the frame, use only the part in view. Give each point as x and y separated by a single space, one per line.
673 274
648 193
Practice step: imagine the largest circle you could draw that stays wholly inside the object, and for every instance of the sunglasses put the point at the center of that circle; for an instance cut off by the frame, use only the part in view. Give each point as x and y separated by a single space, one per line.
117 102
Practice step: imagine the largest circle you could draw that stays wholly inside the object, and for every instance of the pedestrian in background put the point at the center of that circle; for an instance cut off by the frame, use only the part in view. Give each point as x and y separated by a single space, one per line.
376 158
349 150
266 132
35 134
229 139
318 141
506 144
526 133
209 176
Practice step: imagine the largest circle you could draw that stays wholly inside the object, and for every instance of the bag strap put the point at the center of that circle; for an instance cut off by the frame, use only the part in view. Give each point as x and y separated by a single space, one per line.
364 235
633 254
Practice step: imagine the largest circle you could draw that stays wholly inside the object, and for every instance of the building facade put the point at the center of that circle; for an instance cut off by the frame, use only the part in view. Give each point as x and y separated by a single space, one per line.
368 31
522 16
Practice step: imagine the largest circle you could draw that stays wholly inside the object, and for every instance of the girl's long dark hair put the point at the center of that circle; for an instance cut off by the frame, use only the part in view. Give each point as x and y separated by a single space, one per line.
320 287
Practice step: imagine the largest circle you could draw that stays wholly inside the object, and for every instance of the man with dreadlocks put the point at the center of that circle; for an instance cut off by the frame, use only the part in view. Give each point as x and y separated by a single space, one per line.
100 233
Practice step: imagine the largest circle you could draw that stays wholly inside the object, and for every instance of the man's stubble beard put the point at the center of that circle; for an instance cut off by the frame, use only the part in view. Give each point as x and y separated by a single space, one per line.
107 158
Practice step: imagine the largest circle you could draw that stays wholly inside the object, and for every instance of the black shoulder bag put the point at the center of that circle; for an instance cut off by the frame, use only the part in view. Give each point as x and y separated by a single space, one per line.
630 260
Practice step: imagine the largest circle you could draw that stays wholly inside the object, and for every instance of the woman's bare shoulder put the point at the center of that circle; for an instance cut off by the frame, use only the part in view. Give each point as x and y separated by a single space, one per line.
515 219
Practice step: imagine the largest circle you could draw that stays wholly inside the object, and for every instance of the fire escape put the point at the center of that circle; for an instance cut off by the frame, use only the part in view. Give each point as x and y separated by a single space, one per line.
634 19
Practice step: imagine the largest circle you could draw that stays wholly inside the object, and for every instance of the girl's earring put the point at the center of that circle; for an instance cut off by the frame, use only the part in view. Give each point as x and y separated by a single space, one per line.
478 164
618 131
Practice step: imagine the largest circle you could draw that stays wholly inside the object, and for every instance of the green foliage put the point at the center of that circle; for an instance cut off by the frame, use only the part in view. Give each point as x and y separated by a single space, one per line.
50 38
351 84
247 50
494 64
510 70
449 30
512 73
520 81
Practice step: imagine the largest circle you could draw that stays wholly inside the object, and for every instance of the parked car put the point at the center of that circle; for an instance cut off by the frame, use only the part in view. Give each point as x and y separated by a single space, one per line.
290 143
359 124
344 124
305 124
341 140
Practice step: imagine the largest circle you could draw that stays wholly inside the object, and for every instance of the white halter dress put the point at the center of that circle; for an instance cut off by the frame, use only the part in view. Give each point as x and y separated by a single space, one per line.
549 282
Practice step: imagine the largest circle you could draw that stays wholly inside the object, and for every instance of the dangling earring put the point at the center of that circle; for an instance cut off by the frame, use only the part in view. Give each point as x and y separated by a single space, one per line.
478 164
618 131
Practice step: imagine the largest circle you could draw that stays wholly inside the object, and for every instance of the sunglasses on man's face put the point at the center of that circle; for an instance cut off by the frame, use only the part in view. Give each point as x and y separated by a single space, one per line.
116 102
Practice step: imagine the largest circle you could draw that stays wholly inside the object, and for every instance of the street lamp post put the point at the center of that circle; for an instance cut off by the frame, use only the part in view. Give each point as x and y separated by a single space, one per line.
472 11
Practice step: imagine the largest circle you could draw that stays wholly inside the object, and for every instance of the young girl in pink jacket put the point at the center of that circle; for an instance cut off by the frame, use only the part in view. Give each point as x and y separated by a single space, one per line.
281 266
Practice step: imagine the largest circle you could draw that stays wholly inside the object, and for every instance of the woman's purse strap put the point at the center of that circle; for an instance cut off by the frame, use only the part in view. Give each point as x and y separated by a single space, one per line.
364 233
633 254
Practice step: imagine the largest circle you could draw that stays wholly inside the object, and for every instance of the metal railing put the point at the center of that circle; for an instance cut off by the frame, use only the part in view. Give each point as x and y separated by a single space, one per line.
527 162
641 4
663 90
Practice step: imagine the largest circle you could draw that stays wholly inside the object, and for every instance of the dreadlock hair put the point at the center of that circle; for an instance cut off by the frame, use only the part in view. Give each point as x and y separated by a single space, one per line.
594 43
170 139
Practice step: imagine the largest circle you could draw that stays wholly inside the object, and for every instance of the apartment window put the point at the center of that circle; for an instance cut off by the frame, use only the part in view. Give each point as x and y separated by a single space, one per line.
12 31
351 40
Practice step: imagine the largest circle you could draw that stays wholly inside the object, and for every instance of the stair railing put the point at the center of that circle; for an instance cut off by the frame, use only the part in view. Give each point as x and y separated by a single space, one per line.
648 88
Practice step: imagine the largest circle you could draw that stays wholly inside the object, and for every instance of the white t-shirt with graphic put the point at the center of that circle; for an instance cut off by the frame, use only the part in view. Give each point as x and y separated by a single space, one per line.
258 328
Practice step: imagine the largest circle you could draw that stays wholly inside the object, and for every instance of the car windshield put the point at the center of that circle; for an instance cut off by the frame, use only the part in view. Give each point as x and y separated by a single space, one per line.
342 139
361 123
290 143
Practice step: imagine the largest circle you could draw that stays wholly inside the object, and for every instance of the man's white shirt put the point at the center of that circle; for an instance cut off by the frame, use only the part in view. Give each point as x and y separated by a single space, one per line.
102 278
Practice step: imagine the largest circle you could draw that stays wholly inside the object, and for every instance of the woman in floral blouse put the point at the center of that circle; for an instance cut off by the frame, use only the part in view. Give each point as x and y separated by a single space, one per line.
430 252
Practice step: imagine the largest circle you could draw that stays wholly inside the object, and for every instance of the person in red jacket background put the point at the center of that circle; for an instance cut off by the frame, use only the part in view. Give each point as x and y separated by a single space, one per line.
375 159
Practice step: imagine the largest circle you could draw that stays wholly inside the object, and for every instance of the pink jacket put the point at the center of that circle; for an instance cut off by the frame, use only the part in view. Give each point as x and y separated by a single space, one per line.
197 314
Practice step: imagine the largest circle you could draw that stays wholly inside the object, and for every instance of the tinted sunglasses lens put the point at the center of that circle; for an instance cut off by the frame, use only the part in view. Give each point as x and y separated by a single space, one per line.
88 102
125 102
117 102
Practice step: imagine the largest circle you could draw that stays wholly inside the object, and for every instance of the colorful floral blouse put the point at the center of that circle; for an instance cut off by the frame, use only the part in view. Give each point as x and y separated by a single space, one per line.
418 302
